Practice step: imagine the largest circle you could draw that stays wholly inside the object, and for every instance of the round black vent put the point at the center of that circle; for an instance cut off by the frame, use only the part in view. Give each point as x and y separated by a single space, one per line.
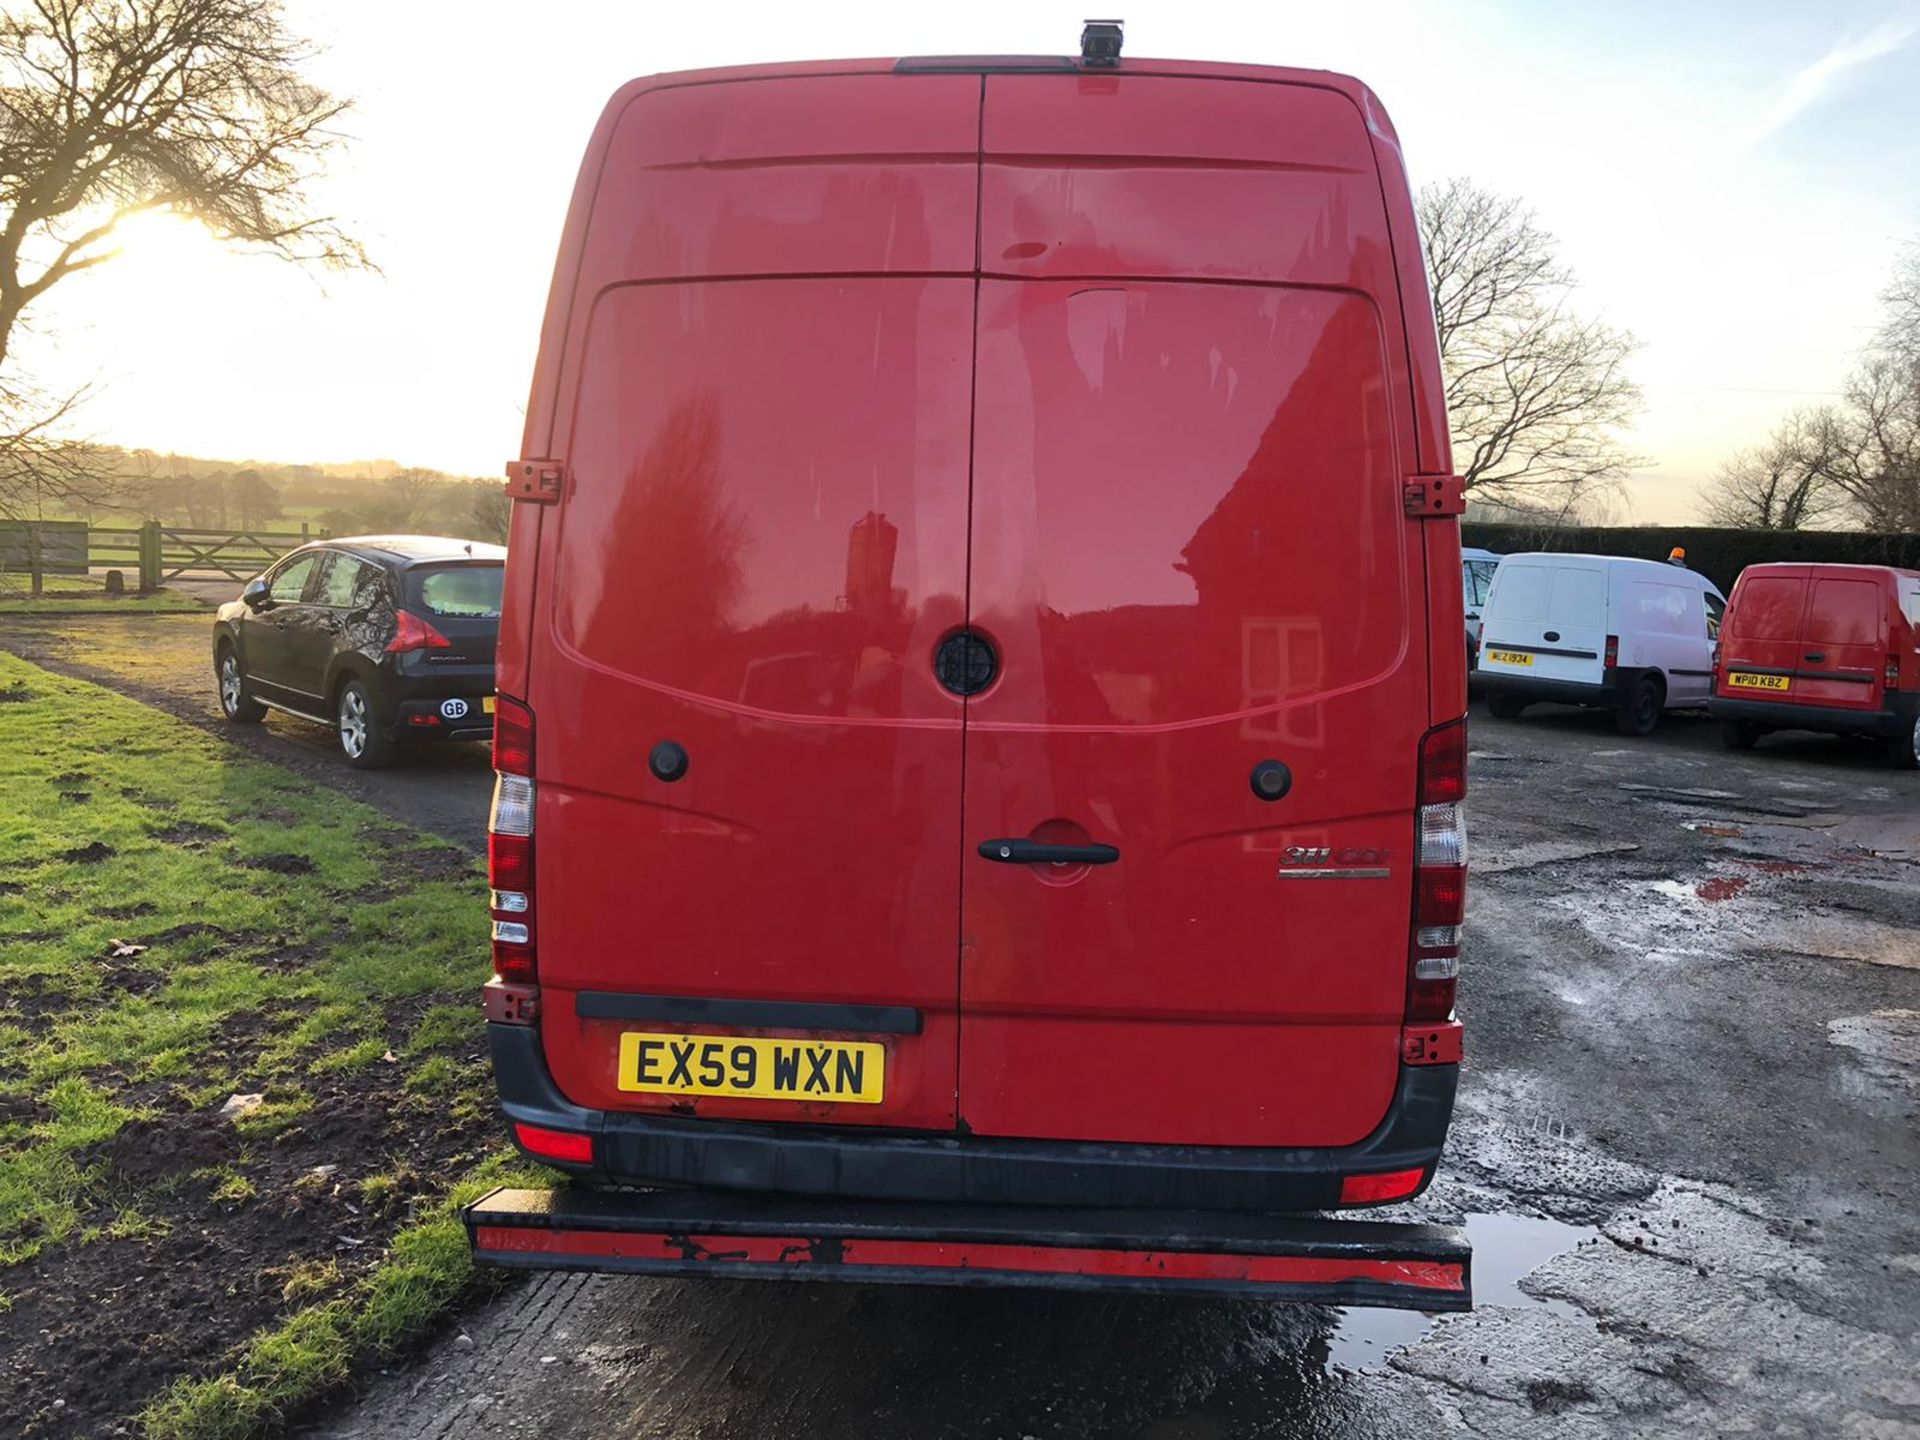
966 663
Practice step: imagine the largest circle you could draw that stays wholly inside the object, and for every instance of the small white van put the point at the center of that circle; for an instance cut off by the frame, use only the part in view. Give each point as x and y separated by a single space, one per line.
1632 636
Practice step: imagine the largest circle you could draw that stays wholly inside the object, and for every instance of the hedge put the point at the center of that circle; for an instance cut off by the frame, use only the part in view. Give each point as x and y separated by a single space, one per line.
1720 555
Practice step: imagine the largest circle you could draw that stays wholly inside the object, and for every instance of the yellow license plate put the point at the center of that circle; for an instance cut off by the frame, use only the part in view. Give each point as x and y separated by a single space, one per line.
845 1071
486 706
1510 657
1740 680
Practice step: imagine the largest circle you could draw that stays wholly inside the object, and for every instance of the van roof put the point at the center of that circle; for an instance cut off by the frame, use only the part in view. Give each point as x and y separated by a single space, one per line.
1665 567
999 64
1828 567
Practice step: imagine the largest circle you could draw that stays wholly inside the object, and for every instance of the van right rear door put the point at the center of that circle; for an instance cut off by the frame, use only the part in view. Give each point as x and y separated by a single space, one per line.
1189 556
1843 662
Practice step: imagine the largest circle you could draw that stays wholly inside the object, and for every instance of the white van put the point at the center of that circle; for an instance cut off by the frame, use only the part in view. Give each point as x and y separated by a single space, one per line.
1476 579
1632 636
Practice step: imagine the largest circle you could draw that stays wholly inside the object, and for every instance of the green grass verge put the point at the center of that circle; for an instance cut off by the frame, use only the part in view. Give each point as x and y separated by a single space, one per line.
178 922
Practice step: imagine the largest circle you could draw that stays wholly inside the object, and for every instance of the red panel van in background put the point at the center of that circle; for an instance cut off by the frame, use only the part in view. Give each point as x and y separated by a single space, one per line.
981 730
1832 648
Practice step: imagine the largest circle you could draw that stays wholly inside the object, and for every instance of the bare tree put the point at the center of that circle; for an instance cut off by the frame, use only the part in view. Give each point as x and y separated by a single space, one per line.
109 108
1784 483
113 108
1876 451
1859 459
1537 393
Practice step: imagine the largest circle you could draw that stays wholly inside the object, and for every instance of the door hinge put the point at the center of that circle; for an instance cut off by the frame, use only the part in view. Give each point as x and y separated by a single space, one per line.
1431 496
537 480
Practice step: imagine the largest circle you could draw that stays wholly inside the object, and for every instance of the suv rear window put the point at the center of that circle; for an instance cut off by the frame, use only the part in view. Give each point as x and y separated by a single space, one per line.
461 591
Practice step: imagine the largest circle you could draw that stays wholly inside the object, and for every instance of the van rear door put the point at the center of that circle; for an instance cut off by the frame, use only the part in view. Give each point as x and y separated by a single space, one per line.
1760 645
748 816
1551 612
1189 556
1843 662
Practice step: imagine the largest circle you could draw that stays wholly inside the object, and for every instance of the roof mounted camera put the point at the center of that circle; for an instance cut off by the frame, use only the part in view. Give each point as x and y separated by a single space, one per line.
1100 43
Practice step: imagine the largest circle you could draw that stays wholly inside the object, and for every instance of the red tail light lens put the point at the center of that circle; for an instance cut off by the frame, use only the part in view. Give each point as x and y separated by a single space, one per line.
567 1145
410 632
1439 875
1376 1189
1893 672
510 850
1613 652
512 737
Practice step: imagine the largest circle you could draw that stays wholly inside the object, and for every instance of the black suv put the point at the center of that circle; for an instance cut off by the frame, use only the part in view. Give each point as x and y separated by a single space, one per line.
386 637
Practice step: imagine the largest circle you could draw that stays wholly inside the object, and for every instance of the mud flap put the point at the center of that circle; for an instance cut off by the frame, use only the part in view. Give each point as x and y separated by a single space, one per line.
1279 1257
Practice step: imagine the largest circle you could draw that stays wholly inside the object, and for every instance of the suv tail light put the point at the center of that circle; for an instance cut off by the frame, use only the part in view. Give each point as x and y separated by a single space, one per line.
1613 652
510 865
1439 874
410 632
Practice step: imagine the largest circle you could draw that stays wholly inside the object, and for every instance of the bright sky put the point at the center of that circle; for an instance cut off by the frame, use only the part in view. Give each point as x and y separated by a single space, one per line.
1730 180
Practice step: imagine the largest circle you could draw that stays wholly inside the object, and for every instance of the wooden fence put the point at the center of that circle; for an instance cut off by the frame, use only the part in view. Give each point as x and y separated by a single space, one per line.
156 553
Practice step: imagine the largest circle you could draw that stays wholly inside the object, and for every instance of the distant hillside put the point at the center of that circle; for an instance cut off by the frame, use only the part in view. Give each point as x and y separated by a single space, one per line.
337 498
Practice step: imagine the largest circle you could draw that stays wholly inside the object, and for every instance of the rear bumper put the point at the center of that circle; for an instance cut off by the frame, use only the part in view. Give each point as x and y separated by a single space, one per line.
1896 720
1605 694
970 1169
1336 1262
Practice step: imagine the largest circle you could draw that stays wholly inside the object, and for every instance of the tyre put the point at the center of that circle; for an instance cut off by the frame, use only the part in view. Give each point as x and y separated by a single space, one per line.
1739 734
235 703
1903 751
363 739
1639 709
1505 707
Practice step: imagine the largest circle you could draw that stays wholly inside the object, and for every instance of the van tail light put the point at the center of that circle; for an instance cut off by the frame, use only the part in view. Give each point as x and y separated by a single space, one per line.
568 1145
1439 874
1380 1188
1613 652
1893 672
410 632
510 864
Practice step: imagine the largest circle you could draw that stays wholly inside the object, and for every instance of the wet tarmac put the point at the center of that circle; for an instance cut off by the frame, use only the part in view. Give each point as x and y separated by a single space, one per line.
1686 1150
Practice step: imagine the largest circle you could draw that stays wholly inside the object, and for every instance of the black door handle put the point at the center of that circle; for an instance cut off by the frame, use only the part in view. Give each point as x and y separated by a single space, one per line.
1033 852
1816 657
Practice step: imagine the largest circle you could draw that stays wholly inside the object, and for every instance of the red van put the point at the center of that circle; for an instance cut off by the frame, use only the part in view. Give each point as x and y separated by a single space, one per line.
980 735
1834 648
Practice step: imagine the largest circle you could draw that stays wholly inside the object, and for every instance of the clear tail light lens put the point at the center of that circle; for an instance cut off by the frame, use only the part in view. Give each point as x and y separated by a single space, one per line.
1439 875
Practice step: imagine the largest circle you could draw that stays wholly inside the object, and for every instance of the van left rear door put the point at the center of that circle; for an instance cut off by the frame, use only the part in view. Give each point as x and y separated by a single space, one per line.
749 781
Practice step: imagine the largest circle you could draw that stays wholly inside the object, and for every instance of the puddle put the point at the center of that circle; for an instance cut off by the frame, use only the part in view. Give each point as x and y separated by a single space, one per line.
1505 1249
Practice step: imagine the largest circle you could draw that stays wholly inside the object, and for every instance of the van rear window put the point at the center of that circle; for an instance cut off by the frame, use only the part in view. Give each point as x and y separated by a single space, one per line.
1845 612
460 591
1770 607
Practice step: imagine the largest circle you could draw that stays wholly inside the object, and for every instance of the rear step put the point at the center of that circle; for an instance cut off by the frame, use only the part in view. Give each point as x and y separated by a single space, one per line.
1281 1257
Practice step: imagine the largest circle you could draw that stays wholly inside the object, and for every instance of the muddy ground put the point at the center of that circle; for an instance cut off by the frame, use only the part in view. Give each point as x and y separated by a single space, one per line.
1686 1149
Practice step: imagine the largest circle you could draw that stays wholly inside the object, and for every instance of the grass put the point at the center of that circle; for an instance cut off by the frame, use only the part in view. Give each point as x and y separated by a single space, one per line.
85 595
180 923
